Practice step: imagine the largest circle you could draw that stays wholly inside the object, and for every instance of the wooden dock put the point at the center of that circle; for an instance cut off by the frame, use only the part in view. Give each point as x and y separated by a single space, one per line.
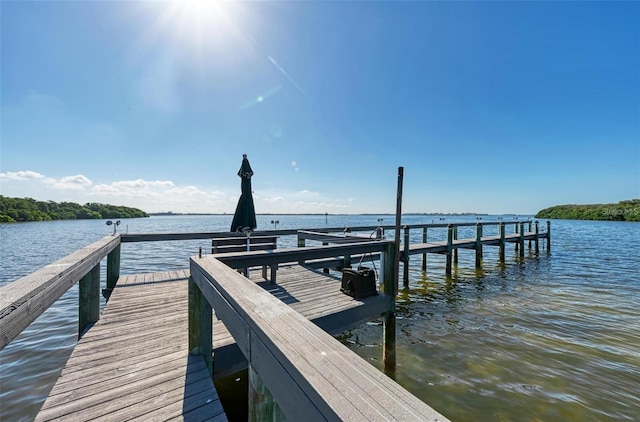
134 363
155 349
313 294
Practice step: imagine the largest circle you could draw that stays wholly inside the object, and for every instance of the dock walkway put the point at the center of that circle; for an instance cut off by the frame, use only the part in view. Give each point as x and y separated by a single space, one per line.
134 363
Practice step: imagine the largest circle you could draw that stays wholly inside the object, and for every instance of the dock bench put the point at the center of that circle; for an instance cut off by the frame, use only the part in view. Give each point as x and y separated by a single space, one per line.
239 244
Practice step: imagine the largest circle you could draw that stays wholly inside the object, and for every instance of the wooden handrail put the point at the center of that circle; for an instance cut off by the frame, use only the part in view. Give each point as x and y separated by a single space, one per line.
309 374
22 301
278 256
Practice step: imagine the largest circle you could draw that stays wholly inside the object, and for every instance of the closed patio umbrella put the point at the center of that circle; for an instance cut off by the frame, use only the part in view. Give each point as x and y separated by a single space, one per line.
245 215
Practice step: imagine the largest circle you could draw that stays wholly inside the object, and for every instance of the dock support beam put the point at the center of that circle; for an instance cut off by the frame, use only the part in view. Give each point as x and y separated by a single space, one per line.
537 241
262 406
478 245
200 325
301 244
405 267
501 233
455 251
89 300
449 249
548 236
521 240
389 320
424 255
113 271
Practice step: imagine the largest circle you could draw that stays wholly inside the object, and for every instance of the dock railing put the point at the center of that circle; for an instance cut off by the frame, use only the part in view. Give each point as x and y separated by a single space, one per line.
24 300
296 370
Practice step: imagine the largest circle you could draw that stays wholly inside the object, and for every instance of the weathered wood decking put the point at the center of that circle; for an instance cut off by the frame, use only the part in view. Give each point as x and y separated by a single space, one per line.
314 295
134 363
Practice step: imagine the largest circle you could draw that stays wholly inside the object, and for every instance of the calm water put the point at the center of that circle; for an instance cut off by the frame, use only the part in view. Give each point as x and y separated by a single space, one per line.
551 338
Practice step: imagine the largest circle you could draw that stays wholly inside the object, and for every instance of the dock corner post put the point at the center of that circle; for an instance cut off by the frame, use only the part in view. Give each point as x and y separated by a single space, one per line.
455 251
262 405
326 269
346 261
536 241
515 231
405 245
113 267
449 249
548 236
301 244
530 223
389 319
89 300
424 254
478 245
521 239
502 241
200 325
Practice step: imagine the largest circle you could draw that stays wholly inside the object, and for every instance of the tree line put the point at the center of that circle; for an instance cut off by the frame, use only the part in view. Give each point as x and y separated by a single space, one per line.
622 211
28 209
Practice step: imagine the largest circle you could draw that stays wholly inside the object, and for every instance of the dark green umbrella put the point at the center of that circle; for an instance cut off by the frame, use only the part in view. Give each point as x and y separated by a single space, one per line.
245 216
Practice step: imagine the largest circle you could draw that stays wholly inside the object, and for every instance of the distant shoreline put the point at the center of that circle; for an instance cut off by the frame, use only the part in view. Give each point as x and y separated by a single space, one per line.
169 214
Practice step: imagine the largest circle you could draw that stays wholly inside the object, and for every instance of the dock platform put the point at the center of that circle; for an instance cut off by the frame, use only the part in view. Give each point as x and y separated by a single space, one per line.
135 363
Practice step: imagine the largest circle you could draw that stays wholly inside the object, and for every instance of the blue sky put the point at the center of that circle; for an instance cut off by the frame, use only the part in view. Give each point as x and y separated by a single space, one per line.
492 107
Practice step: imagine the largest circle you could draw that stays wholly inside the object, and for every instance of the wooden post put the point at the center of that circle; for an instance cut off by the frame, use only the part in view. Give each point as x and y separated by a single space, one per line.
455 251
301 244
391 275
522 240
325 270
396 240
262 406
89 300
200 325
515 230
449 249
424 255
530 232
405 244
548 236
537 242
501 250
113 267
389 320
478 245
346 261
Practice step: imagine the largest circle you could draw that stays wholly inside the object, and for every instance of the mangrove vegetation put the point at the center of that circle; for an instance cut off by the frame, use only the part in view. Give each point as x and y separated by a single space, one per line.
622 211
27 209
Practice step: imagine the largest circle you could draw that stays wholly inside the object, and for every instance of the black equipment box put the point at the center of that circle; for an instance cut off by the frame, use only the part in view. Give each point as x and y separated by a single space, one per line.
360 283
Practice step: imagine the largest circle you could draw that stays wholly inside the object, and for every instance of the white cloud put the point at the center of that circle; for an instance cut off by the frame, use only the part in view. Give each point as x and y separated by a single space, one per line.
142 184
274 199
165 195
78 182
21 175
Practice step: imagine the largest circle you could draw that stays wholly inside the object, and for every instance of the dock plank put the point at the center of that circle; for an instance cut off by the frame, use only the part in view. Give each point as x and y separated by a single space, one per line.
140 343
134 362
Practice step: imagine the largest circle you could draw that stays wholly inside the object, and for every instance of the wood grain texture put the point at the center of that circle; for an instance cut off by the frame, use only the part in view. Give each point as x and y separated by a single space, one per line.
22 301
133 364
311 375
